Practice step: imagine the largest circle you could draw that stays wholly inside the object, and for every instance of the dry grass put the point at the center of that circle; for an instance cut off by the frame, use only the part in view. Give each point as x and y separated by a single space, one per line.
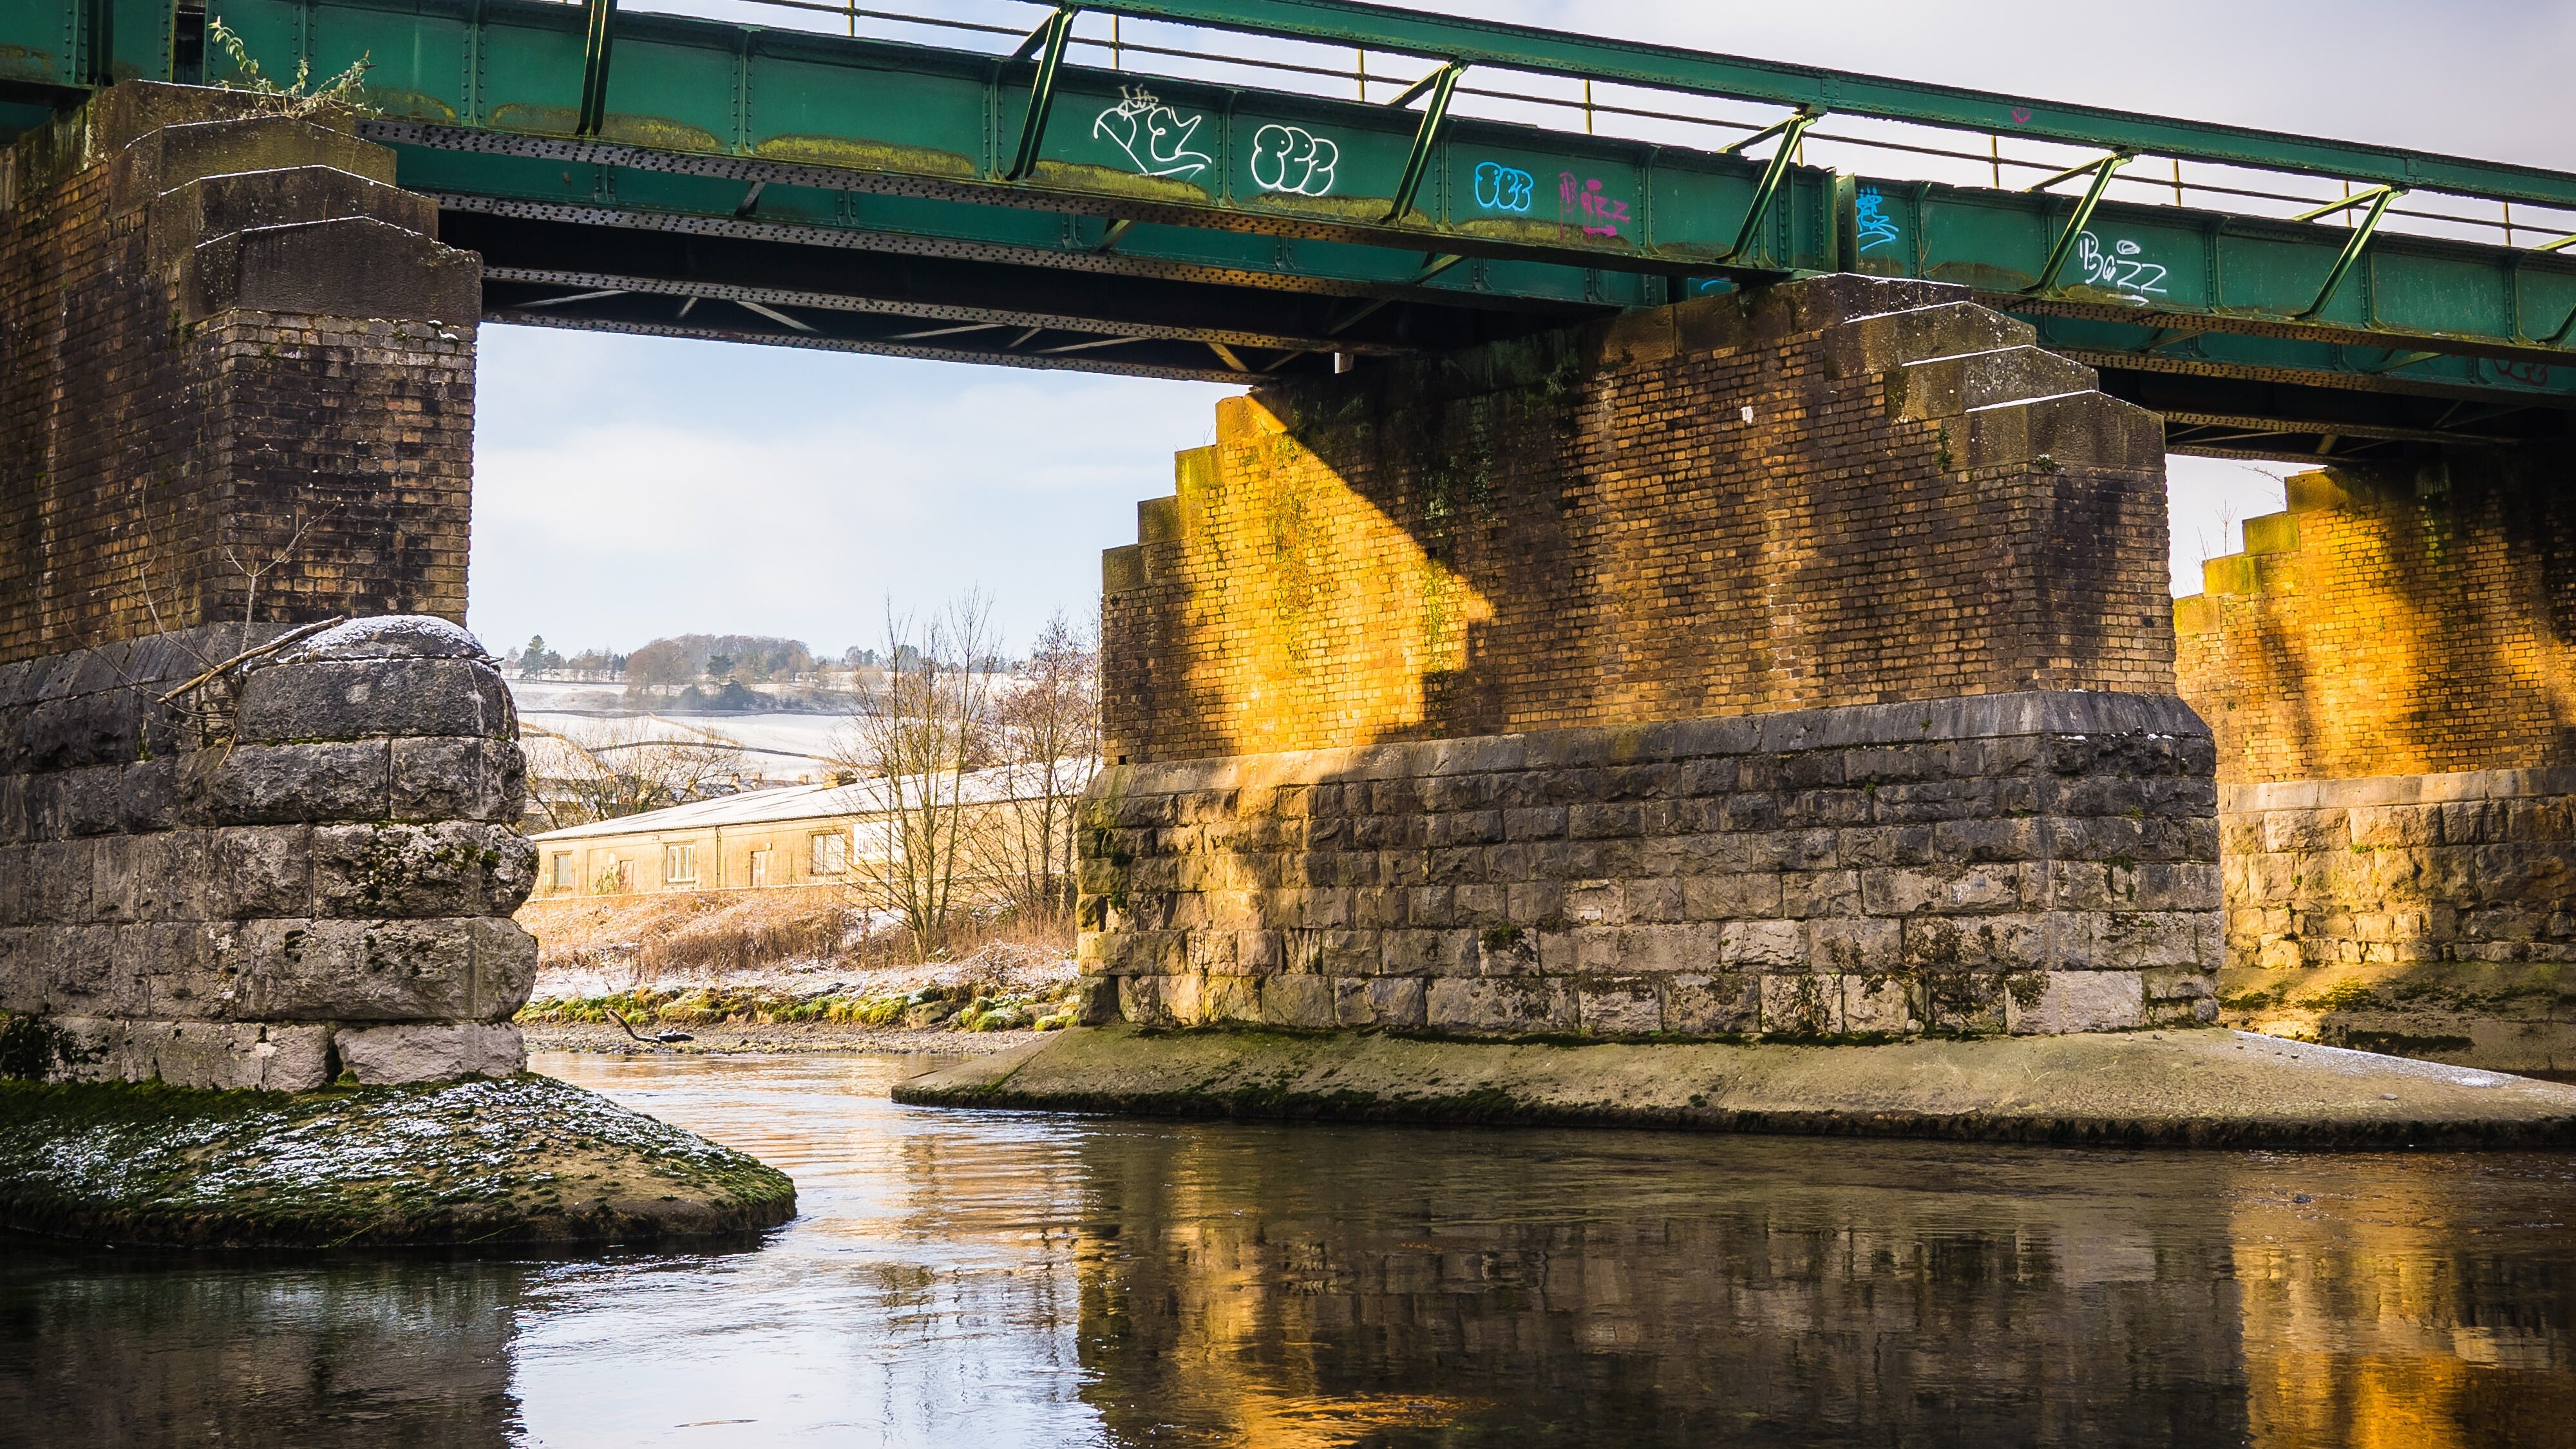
639 941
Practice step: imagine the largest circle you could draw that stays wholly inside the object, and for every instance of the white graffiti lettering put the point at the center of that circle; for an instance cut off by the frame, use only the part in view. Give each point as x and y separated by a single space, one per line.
1294 160
1877 228
2118 268
1503 188
1154 136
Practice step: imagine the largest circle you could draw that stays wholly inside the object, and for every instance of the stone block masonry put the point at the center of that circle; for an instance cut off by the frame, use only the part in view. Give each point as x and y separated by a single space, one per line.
2386 668
2031 862
305 865
236 376
1794 663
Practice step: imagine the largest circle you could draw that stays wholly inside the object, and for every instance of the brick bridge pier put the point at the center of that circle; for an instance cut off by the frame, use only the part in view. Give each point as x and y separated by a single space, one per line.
236 399
2388 671
1797 663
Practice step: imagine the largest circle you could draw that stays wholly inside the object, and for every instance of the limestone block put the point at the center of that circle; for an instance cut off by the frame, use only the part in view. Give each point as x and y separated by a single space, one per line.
2063 1001
1878 1004
1500 1004
1763 945
327 699
1801 1005
457 779
1856 943
1698 1004
459 868
211 1055
1970 1003
257 870
1297 1000
1379 1000
1620 1005
430 1052
453 969
287 784
1229 998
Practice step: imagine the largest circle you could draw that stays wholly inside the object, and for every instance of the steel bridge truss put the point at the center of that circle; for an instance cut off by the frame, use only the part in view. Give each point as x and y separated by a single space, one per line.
663 174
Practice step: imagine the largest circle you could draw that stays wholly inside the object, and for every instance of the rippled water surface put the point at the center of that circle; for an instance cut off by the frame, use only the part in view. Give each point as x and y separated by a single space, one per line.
970 1279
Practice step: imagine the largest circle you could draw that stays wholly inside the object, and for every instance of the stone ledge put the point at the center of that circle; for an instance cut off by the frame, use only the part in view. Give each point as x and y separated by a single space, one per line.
2205 1088
2396 790
1969 717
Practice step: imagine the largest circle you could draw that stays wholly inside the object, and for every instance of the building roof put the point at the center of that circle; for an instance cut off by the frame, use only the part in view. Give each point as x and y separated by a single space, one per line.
790 803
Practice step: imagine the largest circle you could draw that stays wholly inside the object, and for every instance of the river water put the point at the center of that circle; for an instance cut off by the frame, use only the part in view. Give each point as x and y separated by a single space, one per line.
1010 1279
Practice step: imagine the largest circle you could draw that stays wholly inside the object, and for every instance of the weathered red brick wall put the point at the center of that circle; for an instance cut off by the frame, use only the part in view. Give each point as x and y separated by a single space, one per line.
1839 492
2399 620
236 377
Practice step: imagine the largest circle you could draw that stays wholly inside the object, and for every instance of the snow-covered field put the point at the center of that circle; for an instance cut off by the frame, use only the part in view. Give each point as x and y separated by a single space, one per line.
786 748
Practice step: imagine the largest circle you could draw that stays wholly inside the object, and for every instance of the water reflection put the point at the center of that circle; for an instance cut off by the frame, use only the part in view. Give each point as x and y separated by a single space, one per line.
1023 1280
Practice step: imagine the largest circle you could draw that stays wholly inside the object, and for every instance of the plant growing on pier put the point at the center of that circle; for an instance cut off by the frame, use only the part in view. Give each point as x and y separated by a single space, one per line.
299 97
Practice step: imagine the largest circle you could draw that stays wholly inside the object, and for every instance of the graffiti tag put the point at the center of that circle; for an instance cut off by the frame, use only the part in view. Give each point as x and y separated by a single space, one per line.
1600 215
1294 160
2529 374
1503 188
2118 268
1877 228
1154 136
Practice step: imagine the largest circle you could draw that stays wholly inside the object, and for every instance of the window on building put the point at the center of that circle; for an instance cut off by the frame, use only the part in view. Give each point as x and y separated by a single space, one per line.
831 853
679 863
562 877
760 866
616 878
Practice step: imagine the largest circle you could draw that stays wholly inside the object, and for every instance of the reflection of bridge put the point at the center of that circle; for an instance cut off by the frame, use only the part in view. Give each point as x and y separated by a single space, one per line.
699 178
1649 589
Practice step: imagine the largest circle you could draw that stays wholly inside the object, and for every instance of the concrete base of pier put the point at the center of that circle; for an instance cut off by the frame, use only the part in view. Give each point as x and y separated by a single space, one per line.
2188 1087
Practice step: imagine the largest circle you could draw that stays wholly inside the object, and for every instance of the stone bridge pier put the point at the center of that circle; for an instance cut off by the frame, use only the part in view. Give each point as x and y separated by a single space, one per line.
236 400
1796 663
2389 675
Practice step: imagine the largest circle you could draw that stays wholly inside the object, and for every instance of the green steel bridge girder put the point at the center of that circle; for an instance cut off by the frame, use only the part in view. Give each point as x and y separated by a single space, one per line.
800 139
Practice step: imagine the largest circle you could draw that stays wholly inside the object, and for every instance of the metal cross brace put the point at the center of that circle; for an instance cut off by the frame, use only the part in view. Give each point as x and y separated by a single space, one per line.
2083 216
1442 84
594 65
1048 40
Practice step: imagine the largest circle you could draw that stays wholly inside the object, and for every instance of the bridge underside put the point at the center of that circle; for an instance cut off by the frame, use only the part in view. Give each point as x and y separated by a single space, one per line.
777 283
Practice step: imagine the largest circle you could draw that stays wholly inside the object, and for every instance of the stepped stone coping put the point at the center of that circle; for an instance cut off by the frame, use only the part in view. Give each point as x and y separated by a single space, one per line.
1971 717
2397 790
2206 1087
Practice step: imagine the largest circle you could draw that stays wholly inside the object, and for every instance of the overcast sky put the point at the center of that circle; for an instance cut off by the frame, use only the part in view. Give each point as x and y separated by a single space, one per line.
628 487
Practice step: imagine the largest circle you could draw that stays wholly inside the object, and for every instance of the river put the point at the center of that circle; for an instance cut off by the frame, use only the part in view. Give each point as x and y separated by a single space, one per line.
969 1279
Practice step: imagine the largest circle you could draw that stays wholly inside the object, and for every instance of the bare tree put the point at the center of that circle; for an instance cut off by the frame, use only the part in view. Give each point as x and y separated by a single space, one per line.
925 727
1047 731
622 767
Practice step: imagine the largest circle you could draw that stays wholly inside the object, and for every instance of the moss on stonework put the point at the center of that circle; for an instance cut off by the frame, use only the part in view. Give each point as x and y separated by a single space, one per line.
524 1159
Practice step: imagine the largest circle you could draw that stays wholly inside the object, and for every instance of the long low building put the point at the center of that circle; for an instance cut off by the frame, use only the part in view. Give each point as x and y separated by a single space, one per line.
792 836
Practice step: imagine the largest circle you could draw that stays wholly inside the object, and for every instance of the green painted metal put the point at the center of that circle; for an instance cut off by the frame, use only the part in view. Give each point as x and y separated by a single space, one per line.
2075 224
1768 187
2379 199
1555 52
1443 85
1053 35
881 147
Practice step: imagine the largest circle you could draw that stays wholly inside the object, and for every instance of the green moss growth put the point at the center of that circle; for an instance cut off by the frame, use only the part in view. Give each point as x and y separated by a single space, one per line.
523 1159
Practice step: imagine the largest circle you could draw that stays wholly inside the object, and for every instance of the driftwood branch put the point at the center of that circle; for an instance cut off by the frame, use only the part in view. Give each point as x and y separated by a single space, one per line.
247 655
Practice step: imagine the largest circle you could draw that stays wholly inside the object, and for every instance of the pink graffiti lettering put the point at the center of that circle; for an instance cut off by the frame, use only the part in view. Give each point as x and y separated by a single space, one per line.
2021 115
1601 215
2529 374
